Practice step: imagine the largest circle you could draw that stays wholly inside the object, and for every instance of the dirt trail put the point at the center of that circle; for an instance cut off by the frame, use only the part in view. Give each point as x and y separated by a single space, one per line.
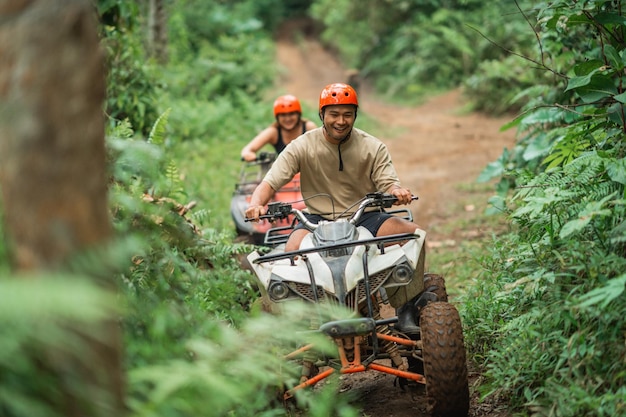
435 149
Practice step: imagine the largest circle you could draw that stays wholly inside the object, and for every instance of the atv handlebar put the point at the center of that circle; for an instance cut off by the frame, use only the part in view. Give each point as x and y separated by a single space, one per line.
261 158
279 210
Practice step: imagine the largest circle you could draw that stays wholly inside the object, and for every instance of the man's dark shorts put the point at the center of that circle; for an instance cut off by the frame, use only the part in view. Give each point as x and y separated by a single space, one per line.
372 220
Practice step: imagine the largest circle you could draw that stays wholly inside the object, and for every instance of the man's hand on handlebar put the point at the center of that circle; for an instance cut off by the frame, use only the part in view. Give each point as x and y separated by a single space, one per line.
253 213
403 195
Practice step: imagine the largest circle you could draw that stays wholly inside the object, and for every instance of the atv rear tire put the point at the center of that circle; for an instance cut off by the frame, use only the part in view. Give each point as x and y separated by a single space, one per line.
445 368
436 284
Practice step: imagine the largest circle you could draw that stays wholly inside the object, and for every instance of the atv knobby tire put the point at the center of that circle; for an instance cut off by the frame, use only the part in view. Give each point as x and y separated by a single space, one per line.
445 368
436 284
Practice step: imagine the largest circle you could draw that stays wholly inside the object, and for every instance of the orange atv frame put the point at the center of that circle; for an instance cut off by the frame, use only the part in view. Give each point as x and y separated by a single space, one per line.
355 365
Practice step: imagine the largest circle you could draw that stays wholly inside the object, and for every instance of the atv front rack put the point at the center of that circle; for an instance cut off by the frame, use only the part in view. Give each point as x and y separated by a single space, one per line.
379 241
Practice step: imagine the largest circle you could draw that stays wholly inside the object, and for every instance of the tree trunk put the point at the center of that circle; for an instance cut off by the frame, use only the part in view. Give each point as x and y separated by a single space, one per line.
157 30
52 160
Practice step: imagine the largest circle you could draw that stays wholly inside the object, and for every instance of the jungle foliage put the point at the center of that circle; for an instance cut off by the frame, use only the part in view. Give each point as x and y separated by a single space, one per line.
546 317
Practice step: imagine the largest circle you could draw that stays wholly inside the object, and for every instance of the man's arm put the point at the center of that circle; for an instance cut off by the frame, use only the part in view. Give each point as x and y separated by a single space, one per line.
385 172
260 197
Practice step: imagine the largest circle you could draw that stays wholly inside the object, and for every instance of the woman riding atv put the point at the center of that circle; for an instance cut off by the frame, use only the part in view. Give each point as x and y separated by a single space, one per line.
289 125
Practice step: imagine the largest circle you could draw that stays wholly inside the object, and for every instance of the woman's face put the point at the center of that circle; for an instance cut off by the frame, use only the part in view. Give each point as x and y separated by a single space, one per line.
288 121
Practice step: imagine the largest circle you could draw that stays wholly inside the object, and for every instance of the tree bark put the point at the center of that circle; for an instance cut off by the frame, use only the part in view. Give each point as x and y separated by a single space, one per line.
157 30
52 158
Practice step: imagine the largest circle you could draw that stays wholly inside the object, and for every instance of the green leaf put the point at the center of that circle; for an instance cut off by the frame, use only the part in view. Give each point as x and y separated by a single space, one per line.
621 98
599 87
513 123
591 210
616 113
610 18
577 19
577 82
47 297
495 168
497 205
588 67
574 226
538 147
605 294
565 150
536 205
617 170
542 115
614 57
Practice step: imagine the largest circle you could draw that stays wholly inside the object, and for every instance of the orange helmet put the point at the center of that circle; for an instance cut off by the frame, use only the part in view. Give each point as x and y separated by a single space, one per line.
338 93
287 104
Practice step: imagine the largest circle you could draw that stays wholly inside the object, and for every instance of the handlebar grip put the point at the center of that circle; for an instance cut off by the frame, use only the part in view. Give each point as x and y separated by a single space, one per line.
262 217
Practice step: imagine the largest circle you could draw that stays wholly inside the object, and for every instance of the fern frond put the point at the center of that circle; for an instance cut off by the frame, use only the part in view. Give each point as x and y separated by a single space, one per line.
200 216
586 166
174 181
537 185
122 130
604 189
157 134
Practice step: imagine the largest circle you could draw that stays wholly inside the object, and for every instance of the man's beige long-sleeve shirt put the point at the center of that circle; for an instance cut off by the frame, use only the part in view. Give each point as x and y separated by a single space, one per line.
367 167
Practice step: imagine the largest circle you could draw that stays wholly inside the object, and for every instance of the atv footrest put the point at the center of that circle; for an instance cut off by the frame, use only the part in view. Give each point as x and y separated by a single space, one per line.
349 327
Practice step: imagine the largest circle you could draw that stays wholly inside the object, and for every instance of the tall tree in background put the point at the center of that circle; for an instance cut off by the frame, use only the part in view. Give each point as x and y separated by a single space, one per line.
157 30
52 172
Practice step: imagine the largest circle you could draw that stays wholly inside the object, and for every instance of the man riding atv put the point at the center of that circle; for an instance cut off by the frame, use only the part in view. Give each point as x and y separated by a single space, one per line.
344 163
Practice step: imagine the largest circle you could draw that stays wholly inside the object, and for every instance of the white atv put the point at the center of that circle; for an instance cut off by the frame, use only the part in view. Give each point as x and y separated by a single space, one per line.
342 264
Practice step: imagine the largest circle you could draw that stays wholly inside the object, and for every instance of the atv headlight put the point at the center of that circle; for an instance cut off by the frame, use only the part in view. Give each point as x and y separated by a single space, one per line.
402 274
278 290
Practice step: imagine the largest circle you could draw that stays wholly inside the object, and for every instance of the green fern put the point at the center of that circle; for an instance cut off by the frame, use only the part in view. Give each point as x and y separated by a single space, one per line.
201 216
530 186
565 150
175 188
157 134
603 189
122 129
585 167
